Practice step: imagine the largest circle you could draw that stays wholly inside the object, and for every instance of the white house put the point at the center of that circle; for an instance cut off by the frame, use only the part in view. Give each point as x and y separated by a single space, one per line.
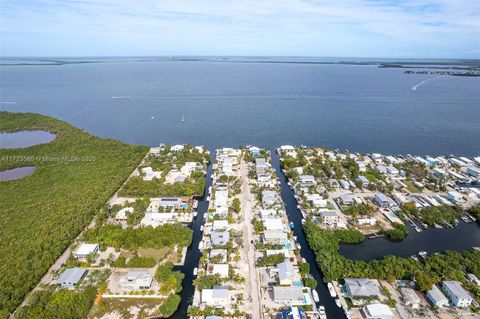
410 297
436 297
306 179
273 224
330 217
157 219
317 200
268 197
84 250
377 311
221 198
71 277
136 279
218 269
383 200
285 273
217 296
177 148
457 295
219 225
367 221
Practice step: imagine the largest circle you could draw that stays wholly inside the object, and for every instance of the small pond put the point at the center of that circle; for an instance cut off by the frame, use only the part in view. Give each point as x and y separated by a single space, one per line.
23 139
16 173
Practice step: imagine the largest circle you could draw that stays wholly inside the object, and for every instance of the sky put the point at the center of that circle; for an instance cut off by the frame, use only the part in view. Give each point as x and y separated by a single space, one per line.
328 28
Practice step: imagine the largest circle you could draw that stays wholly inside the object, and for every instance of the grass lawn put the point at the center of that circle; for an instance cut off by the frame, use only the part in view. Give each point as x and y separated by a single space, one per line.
158 254
41 214
411 187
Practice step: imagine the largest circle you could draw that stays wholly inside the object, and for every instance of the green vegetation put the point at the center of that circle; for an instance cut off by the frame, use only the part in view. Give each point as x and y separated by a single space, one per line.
41 214
170 281
137 187
164 162
448 266
135 261
169 306
271 260
359 210
349 236
475 211
397 233
167 235
310 282
50 304
435 214
258 226
207 282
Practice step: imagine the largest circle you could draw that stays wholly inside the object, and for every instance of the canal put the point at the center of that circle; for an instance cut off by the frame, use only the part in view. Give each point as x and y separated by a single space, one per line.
193 254
463 237
295 216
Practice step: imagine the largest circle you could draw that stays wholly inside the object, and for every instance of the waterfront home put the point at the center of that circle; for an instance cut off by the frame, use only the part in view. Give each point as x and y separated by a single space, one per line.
188 168
361 287
219 225
466 160
370 221
293 313
288 295
123 213
71 277
458 296
439 172
254 151
84 250
220 238
177 148
164 203
285 273
268 213
268 197
455 161
363 180
275 237
288 150
157 219
221 198
261 163
410 297
330 218
273 224
217 296
436 297
306 180
218 269
383 200
377 311
454 197
136 279
391 160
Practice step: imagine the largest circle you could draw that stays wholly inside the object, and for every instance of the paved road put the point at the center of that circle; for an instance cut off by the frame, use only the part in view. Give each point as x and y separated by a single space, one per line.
247 200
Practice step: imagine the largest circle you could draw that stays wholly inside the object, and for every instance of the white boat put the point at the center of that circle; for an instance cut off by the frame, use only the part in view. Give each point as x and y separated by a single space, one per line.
208 198
298 246
321 312
303 220
338 303
201 228
315 295
195 214
195 271
304 260
331 290
183 118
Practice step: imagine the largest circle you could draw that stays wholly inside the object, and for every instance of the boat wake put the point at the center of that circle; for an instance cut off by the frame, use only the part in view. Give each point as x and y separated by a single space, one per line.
8 102
416 86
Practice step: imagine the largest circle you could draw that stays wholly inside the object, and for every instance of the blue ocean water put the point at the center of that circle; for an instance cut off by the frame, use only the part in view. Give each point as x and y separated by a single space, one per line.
358 107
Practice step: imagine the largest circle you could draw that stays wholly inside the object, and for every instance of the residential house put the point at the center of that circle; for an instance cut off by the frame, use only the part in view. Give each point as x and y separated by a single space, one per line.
330 217
84 250
454 197
123 213
458 296
288 295
220 238
410 297
275 237
436 297
218 269
285 273
136 279
361 287
268 197
217 296
363 181
377 311
383 200
71 277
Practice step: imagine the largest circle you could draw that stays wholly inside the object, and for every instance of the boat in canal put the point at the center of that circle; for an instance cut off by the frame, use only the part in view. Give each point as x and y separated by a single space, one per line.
338 303
195 214
315 296
195 271
292 225
321 312
331 290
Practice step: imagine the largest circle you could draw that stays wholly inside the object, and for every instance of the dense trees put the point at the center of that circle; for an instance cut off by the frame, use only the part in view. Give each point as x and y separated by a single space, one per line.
271 260
61 304
450 265
148 237
41 214
436 214
398 232
169 305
